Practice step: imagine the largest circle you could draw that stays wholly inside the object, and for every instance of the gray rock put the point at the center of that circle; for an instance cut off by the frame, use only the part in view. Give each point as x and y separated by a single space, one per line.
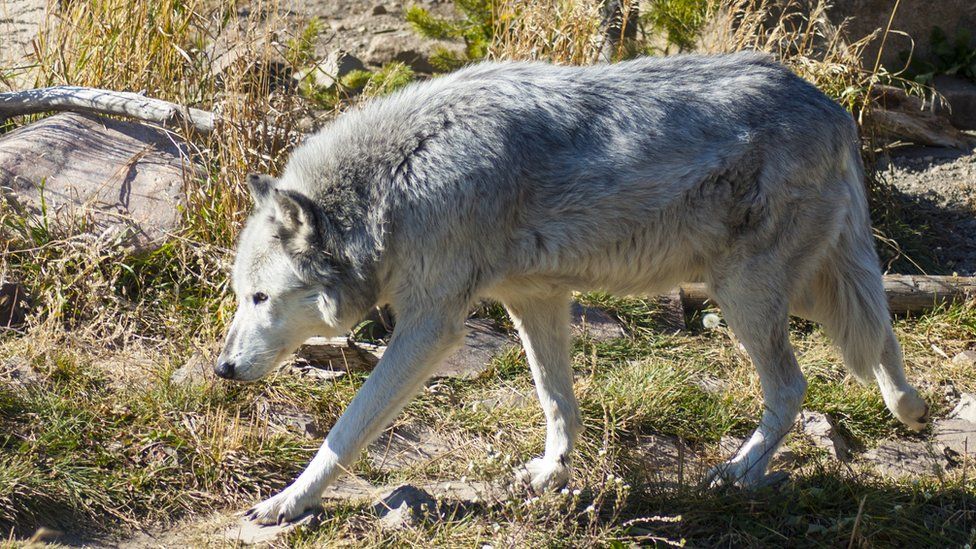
289 420
668 459
960 94
966 409
248 532
405 506
899 458
956 436
406 446
329 71
125 177
914 18
824 434
14 305
406 47
196 371
481 344
595 323
965 358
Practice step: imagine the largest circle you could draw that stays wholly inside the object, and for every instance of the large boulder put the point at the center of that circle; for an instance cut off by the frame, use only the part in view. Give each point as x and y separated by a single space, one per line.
125 180
914 18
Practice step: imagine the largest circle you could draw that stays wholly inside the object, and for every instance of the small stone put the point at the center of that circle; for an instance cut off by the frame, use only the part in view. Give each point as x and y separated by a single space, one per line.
957 436
379 9
481 344
595 323
965 358
822 432
195 371
966 409
330 70
406 446
340 354
897 459
405 506
248 532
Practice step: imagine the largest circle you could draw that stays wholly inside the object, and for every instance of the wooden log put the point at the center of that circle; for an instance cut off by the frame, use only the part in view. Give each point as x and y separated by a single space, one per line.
98 101
906 293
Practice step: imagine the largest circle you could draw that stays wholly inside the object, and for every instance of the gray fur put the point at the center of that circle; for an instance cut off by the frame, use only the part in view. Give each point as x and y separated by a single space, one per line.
523 181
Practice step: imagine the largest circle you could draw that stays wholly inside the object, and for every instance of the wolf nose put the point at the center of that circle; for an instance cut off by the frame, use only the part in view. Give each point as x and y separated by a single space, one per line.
225 370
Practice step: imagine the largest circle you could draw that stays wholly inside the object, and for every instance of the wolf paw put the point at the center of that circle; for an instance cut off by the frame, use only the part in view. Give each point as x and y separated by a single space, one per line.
543 475
284 507
740 473
912 410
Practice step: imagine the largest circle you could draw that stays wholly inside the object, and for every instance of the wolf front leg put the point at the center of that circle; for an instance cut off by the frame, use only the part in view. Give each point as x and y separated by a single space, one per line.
418 345
543 325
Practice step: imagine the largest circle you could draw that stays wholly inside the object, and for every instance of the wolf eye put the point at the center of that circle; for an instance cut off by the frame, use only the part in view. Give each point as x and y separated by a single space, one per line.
259 297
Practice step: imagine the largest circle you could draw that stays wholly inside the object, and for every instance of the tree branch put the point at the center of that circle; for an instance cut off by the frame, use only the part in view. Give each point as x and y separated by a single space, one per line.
98 101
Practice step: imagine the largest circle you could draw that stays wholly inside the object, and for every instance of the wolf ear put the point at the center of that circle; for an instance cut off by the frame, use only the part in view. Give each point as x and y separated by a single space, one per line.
296 219
261 186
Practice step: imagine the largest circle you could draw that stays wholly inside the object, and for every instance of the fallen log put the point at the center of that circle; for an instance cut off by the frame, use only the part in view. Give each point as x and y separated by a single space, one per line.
98 101
906 293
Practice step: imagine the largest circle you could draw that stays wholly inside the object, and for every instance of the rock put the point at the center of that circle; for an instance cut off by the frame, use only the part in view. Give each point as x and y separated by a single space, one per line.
340 354
966 409
711 385
195 372
351 489
125 177
379 9
405 506
505 398
956 436
248 532
329 71
237 52
464 492
824 434
595 323
289 420
406 446
914 18
898 458
408 48
960 94
14 305
965 358
666 458
481 344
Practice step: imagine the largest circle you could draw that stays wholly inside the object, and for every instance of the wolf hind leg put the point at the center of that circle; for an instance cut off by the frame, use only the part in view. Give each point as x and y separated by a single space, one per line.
758 314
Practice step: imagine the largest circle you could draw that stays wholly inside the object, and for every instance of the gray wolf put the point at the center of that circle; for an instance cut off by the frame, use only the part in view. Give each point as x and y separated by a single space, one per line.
524 181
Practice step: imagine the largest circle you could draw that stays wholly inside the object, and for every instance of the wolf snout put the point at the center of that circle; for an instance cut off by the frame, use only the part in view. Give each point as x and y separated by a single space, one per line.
224 369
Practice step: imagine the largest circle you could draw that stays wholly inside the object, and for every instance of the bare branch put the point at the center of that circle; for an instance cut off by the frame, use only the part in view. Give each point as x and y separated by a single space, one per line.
98 101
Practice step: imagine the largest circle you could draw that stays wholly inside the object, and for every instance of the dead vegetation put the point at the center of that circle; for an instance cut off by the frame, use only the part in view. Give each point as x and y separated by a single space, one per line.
97 435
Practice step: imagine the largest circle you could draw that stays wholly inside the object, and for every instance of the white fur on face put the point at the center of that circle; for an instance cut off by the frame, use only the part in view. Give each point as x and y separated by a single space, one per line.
266 330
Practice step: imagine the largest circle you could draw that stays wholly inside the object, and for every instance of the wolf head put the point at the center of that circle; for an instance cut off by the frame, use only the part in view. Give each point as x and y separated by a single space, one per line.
289 280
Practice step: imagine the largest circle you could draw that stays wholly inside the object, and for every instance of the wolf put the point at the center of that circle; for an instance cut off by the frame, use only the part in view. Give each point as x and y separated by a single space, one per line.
522 182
